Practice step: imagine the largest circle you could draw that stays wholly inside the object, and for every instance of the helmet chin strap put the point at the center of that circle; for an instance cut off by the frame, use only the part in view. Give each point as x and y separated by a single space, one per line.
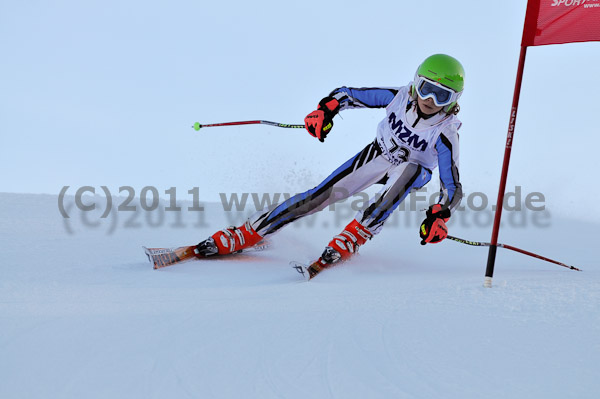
421 114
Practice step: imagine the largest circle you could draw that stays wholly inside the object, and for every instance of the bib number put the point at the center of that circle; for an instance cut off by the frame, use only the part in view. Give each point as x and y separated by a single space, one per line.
400 152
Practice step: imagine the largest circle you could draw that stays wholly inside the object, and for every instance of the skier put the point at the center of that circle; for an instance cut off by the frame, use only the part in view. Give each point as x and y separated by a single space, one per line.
419 132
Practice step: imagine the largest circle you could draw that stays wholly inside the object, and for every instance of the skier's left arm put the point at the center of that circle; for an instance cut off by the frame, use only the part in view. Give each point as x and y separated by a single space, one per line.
448 150
433 229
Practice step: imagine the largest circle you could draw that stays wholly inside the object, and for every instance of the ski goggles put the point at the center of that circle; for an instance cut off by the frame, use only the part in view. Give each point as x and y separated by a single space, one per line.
441 95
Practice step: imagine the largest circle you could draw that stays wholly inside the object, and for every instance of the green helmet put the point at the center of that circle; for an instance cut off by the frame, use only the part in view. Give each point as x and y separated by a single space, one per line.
443 71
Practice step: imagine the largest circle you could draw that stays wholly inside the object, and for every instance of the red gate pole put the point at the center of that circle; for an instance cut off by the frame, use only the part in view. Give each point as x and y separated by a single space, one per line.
489 272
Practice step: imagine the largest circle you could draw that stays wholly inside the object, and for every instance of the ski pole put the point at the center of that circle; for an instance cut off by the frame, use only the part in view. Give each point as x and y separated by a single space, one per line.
487 244
197 126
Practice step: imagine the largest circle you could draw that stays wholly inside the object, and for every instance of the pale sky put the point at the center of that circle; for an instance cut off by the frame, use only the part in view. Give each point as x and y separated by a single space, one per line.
104 93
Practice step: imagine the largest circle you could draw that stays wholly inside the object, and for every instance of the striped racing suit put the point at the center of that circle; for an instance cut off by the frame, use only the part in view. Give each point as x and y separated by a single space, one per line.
408 146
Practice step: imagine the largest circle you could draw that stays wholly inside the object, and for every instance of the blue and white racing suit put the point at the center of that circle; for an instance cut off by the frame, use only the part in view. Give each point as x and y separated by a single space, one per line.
406 150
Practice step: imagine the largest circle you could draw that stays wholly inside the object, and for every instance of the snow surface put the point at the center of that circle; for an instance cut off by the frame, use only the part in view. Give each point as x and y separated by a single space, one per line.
83 315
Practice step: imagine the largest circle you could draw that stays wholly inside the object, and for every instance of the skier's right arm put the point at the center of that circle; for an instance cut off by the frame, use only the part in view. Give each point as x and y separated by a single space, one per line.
319 122
366 97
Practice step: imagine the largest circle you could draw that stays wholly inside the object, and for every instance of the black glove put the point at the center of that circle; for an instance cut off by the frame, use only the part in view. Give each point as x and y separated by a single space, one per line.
433 229
319 122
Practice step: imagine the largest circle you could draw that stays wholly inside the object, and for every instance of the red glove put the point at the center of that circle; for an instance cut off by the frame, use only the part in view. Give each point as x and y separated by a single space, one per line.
319 122
433 229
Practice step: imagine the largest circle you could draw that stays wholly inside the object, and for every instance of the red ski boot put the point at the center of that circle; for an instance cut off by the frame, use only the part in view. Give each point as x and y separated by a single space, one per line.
227 241
341 248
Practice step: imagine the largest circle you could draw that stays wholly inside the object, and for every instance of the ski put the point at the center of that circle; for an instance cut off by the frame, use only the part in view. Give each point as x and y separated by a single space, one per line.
163 257
309 271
